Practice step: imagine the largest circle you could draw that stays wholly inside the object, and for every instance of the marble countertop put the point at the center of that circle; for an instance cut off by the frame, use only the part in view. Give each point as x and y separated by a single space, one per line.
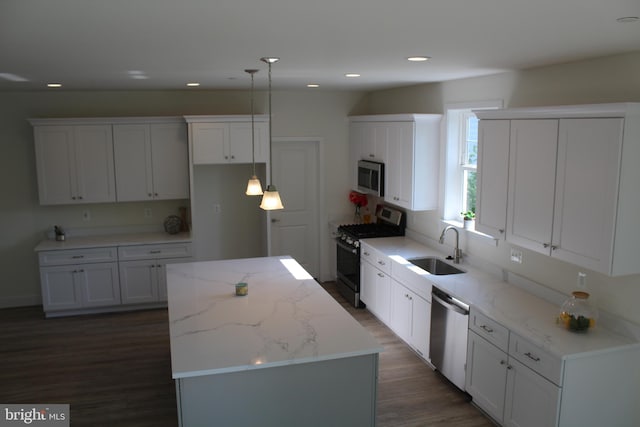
524 313
116 239
286 318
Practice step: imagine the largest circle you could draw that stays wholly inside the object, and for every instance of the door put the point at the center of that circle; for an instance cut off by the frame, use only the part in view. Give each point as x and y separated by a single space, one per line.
95 177
295 229
493 176
532 179
170 155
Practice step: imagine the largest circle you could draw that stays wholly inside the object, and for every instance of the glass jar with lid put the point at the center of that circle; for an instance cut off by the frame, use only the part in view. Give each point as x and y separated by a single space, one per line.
577 314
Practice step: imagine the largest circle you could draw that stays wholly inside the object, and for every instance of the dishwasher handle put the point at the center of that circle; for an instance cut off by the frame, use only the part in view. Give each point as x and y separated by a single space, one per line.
450 302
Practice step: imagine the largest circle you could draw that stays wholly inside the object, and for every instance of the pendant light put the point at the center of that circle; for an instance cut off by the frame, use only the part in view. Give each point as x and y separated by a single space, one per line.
254 188
271 198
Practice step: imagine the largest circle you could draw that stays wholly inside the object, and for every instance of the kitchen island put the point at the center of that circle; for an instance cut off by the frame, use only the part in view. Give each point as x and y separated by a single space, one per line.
285 354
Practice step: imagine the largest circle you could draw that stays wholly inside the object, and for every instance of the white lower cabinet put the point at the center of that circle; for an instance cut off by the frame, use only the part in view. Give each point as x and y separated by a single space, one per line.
77 279
507 390
103 279
410 318
375 290
142 270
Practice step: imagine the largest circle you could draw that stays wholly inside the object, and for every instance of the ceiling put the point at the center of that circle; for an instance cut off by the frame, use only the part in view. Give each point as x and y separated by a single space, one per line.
164 44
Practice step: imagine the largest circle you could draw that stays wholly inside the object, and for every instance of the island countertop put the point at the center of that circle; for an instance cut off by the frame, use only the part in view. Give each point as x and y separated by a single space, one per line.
286 318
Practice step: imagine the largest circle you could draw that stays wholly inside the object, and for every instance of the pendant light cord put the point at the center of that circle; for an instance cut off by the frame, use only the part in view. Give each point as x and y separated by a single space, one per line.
253 136
270 118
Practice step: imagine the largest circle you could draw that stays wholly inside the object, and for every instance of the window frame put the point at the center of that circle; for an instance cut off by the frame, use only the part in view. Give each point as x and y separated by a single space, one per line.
453 186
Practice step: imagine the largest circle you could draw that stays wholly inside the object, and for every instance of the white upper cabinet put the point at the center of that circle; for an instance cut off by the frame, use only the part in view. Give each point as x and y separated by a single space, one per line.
532 175
74 163
409 146
151 161
228 139
493 177
572 185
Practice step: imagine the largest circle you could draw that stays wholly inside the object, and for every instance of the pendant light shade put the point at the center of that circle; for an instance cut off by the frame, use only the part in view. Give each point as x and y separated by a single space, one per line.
271 198
254 188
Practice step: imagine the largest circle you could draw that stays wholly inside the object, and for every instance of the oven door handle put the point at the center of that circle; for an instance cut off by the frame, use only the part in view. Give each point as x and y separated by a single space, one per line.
347 247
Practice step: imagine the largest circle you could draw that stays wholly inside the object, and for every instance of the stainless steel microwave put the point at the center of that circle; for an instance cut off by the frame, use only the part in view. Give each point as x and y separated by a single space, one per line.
371 177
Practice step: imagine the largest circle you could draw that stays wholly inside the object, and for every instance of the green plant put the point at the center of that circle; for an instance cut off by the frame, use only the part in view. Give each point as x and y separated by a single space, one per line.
468 215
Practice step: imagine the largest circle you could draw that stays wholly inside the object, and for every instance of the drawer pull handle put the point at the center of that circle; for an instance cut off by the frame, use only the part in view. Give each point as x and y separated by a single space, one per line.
367 254
77 256
381 263
487 329
155 252
380 275
532 357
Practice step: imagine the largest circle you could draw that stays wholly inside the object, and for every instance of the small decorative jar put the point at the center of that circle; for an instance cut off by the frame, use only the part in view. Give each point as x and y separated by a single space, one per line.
242 289
577 314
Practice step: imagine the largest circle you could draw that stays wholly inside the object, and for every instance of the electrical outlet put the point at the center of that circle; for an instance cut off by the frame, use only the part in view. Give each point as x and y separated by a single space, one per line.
86 215
516 256
148 213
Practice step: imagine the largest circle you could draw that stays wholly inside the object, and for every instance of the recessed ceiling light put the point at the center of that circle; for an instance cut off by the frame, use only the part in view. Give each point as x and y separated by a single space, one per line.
418 58
352 75
54 85
193 84
313 85
626 19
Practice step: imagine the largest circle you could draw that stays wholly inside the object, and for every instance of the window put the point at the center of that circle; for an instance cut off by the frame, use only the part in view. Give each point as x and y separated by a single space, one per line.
461 158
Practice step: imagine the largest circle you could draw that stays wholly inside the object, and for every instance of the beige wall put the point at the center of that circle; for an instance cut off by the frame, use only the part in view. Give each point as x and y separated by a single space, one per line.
25 222
609 79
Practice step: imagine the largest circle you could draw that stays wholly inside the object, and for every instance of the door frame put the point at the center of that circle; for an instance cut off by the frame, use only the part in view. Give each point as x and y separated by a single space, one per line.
322 214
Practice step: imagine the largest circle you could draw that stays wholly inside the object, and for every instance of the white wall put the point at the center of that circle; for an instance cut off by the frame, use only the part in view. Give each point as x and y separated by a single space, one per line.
25 222
609 79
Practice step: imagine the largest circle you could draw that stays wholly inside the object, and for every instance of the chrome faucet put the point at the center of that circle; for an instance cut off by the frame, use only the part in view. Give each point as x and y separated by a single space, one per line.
457 253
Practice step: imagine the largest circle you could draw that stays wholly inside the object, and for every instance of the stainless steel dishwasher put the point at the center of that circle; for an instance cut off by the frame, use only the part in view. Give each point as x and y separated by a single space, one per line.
448 341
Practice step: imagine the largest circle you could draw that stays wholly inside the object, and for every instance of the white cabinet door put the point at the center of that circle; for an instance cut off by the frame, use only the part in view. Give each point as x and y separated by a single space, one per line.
210 143
420 325
100 284
399 169
375 138
531 400
139 281
240 143
587 179
170 161
401 316
532 176
151 161
486 375
493 177
134 171
55 164
75 164
375 291
77 286
367 283
59 288
95 173
222 143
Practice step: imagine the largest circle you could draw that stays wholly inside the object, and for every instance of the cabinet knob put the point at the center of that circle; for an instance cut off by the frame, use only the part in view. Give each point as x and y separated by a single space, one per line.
545 245
366 253
554 247
233 157
226 157
150 194
503 362
372 156
73 197
155 194
501 231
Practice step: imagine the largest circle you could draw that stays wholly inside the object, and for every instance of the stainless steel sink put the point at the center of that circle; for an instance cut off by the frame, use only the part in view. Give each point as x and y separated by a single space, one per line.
435 266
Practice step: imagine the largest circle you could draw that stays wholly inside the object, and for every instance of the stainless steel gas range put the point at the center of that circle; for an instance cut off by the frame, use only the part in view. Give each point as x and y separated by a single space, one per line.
390 222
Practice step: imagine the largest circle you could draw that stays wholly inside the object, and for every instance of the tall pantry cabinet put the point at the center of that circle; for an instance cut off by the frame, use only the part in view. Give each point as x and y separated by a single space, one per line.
571 184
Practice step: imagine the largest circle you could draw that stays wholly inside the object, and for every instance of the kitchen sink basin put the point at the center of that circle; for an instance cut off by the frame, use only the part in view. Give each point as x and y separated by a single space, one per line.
435 266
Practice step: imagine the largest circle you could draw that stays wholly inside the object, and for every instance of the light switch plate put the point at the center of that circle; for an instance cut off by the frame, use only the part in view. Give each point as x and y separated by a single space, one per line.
516 256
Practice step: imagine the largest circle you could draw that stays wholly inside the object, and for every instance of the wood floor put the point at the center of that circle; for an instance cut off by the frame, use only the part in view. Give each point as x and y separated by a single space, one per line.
115 370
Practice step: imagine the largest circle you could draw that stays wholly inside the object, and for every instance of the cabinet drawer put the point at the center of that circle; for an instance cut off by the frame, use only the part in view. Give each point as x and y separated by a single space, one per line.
544 363
167 250
376 258
77 256
489 329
